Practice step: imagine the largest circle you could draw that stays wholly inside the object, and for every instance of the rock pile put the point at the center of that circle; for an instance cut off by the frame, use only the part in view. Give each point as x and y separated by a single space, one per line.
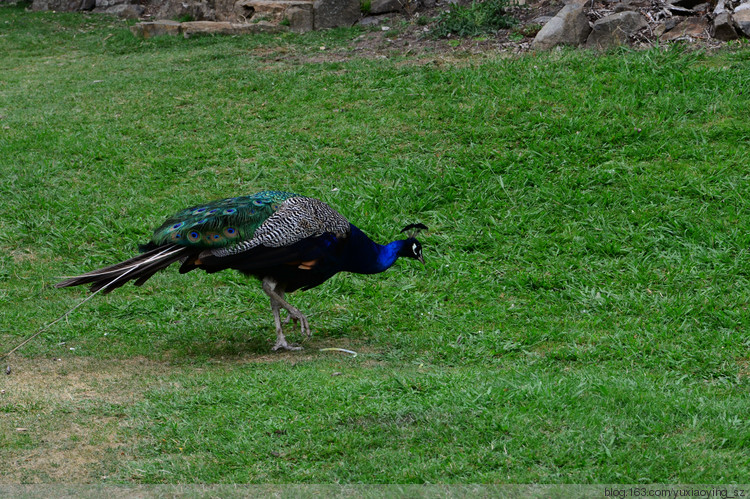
124 8
602 24
219 16
596 24
166 27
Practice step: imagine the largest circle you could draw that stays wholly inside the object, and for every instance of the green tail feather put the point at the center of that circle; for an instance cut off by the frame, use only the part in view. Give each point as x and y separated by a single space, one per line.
220 223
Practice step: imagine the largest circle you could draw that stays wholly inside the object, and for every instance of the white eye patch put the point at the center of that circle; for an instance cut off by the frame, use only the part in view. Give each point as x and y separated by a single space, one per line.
414 248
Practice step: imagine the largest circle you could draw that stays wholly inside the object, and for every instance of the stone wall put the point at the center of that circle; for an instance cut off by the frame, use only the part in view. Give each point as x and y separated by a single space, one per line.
296 15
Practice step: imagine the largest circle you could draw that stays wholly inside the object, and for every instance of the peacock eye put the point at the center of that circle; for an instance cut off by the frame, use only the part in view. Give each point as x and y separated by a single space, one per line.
414 248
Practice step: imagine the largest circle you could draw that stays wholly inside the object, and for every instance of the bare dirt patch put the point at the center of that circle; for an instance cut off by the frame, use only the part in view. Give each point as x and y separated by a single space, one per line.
77 378
61 418
399 35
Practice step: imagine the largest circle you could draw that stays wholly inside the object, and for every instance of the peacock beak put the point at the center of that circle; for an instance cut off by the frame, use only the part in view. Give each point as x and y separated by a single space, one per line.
421 259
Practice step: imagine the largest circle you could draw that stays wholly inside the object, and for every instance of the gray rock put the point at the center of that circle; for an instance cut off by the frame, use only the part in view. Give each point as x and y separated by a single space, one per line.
207 27
156 28
372 20
63 5
690 28
615 30
742 20
633 5
672 22
175 9
273 11
300 19
623 6
259 27
383 6
334 13
125 11
724 27
226 10
569 27
541 20
102 5
164 9
226 28
668 24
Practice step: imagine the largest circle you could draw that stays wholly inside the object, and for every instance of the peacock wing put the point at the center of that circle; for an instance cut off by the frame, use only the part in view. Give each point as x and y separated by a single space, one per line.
300 229
223 223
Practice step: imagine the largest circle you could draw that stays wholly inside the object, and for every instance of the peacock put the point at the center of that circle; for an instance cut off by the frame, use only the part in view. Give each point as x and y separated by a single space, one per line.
286 240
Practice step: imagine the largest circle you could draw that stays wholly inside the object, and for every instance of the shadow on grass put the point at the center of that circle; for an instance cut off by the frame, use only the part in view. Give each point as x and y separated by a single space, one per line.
256 345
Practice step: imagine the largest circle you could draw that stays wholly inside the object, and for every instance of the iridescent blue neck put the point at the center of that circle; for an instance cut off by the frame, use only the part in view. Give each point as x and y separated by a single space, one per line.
364 256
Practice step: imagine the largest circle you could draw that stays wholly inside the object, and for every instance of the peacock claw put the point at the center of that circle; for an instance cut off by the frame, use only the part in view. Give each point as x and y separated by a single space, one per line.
304 324
281 344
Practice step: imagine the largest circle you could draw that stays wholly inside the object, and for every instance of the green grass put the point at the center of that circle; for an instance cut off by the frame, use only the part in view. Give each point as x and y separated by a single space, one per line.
583 315
438 424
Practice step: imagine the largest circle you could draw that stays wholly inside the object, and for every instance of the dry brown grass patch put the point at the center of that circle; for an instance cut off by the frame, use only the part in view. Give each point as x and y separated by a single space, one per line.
60 419
63 420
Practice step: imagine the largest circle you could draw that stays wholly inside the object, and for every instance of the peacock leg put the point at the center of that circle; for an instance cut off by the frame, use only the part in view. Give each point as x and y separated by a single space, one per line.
280 339
289 318
275 293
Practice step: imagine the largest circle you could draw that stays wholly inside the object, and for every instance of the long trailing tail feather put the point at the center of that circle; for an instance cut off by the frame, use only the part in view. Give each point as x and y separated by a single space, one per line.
106 279
139 268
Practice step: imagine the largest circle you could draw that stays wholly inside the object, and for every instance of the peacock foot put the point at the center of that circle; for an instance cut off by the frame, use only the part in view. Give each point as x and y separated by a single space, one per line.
281 344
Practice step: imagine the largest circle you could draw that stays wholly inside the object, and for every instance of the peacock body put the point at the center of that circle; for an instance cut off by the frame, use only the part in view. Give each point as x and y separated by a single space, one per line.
287 241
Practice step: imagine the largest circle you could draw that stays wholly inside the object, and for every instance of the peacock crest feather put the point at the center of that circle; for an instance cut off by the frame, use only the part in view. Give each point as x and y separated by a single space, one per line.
221 223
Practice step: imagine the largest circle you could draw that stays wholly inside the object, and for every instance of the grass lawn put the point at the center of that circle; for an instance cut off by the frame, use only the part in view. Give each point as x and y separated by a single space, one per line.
582 317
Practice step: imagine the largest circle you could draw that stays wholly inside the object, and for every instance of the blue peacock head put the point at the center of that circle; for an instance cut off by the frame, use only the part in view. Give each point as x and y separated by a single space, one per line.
411 247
